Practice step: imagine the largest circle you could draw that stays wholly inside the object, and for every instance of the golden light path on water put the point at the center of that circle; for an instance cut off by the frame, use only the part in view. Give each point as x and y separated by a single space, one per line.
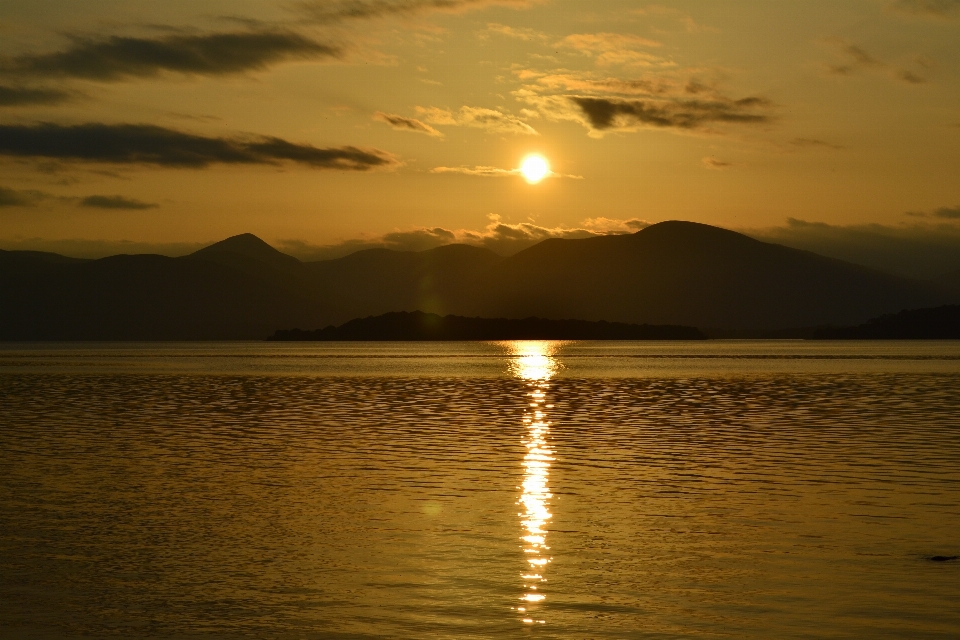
534 363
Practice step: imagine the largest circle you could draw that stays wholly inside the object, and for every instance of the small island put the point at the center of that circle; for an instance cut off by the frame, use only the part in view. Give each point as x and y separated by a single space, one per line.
418 325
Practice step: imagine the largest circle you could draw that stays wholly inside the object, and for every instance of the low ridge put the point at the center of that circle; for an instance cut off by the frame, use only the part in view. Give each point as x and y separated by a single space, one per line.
418 325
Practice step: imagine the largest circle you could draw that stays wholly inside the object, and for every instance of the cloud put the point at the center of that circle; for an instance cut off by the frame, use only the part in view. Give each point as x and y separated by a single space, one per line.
910 77
670 99
606 226
18 96
517 33
859 57
400 123
115 202
715 164
494 172
498 236
605 113
918 250
29 198
940 9
485 172
946 213
814 143
330 11
686 22
650 86
153 145
478 118
14 198
212 54
615 49
952 213
855 58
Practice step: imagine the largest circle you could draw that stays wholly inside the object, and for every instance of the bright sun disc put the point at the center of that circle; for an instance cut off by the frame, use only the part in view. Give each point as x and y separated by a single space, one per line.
534 168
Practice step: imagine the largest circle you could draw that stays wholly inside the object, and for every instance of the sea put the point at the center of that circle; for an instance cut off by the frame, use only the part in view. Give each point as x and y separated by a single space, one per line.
718 489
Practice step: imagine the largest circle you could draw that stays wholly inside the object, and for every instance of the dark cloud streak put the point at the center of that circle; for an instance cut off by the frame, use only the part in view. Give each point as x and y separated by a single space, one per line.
18 96
339 10
402 123
211 54
159 146
815 142
14 198
950 213
605 113
941 9
115 202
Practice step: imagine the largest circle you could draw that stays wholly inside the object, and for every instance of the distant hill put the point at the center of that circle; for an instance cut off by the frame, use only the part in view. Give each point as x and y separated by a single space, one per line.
417 325
939 323
672 273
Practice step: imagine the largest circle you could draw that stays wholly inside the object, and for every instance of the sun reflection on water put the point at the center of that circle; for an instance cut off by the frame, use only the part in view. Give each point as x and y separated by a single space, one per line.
533 362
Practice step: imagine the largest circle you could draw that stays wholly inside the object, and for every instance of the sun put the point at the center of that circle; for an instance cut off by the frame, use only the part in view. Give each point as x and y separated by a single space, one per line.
534 168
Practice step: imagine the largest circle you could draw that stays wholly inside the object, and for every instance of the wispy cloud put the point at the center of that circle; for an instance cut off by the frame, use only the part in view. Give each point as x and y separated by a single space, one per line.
516 33
13 96
17 198
478 118
951 213
153 145
30 198
946 213
607 226
854 59
940 9
664 14
657 99
603 113
332 11
401 123
495 172
615 49
483 172
211 54
116 202
804 142
580 83
716 164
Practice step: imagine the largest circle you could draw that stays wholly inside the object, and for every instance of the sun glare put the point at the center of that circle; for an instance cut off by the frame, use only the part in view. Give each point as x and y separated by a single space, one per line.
534 168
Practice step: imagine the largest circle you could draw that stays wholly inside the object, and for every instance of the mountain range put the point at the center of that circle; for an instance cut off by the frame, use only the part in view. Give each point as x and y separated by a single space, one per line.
677 273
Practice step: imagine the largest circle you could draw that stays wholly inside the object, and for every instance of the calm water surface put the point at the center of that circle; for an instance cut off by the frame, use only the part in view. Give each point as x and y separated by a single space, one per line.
480 490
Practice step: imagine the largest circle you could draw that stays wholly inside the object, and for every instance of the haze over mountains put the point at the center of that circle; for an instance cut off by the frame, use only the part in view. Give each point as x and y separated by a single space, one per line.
679 273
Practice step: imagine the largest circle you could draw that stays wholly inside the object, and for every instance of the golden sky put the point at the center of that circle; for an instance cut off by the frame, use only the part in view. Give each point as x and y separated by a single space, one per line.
334 123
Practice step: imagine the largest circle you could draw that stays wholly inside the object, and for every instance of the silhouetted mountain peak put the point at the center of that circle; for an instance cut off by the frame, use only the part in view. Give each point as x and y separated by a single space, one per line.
245 245
685 230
